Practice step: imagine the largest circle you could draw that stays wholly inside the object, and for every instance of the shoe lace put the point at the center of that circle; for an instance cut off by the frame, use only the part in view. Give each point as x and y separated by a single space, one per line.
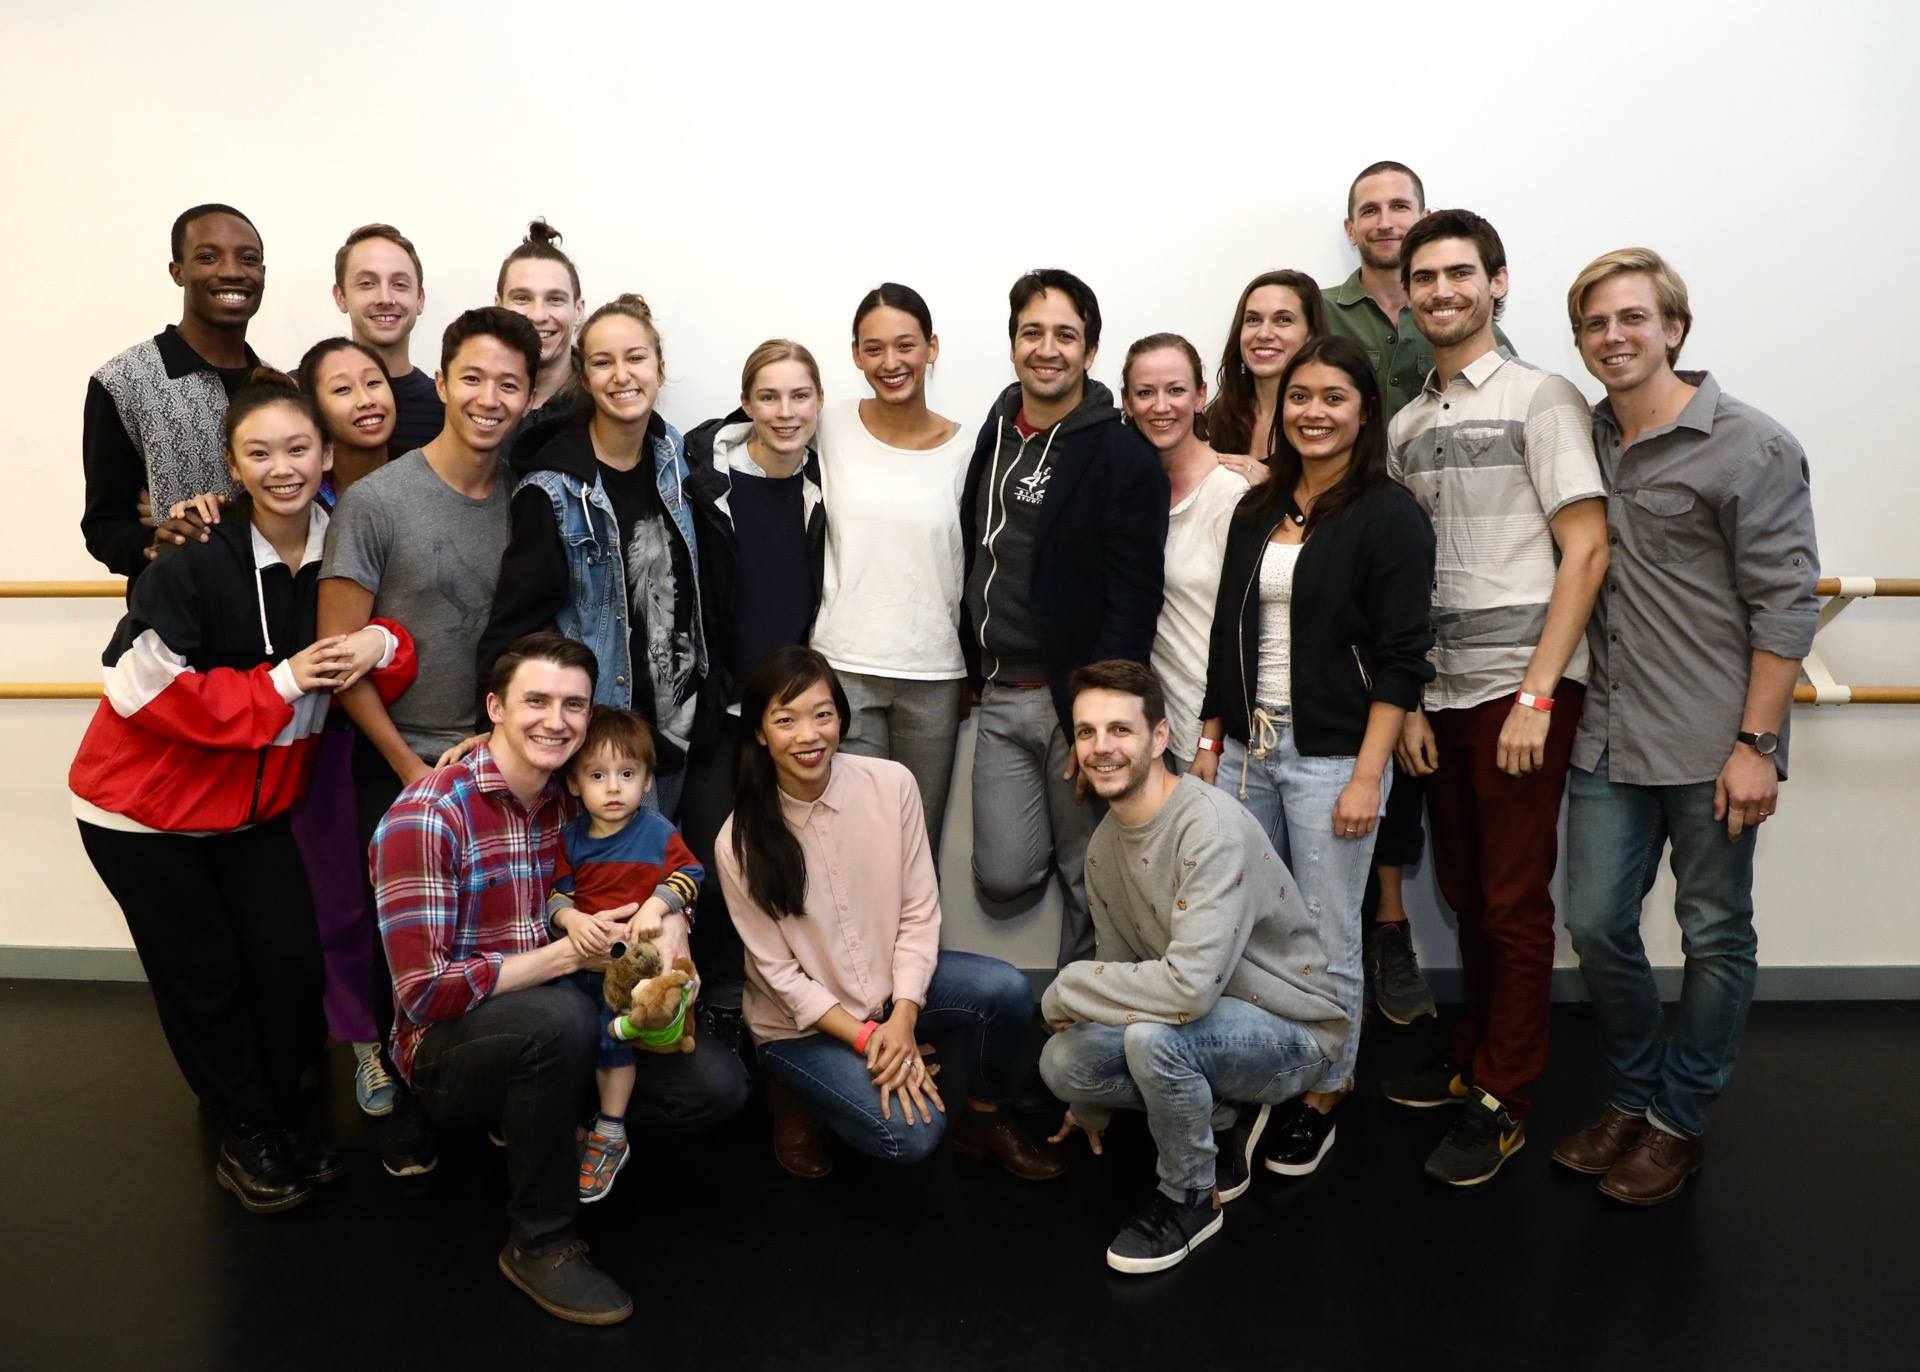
373 1074
1399 970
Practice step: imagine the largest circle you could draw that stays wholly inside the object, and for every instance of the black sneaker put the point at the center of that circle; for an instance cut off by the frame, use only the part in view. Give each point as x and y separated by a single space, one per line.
315 1159
1427 1087
1300 1138
1234 1145
1163 1233
259 1170
407 1144
1400 989
564 1284
1481 1140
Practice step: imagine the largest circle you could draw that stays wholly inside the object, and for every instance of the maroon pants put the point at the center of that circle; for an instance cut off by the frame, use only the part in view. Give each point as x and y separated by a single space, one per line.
1496 841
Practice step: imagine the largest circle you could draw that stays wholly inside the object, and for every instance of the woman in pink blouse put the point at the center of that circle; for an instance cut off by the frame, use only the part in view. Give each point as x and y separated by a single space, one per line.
830 882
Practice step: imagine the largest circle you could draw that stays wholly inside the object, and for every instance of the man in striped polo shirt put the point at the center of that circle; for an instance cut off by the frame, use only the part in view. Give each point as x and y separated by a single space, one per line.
1500 455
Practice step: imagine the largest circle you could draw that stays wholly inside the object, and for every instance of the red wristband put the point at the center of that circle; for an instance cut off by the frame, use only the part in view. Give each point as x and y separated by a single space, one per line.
866 1032
1211 745
1544 704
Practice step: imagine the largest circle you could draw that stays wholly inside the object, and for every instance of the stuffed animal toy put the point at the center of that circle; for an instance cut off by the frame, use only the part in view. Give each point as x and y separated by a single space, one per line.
651 1003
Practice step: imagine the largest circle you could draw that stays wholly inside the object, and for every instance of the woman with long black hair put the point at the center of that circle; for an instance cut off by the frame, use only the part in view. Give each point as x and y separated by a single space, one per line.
830 881
1318 650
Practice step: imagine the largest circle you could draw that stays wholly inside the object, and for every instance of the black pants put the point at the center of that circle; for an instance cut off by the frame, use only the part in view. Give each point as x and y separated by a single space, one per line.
224 927
523 1062
704 806
1400 840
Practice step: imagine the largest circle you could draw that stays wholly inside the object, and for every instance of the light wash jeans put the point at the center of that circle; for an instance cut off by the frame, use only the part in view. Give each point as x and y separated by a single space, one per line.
1184 1076
1615 835
1293 798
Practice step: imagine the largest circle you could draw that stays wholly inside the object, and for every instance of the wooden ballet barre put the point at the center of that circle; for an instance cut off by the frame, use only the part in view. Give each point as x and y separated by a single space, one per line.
1862 587
63 590
49 690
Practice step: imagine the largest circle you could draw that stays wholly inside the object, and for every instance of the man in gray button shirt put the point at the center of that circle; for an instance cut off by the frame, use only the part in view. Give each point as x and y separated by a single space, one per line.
1707 609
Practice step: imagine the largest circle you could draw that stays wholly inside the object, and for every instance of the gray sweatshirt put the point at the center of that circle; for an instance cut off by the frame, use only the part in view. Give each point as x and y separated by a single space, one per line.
1191 906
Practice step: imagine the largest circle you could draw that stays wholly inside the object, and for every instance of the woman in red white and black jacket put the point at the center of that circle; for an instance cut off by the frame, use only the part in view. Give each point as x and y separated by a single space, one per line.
216 691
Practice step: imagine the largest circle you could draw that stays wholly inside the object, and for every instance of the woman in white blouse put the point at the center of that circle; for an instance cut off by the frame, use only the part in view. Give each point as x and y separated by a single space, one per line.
891 472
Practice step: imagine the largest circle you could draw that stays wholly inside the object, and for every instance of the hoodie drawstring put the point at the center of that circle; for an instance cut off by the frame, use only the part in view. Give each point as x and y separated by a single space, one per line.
260 599
993 530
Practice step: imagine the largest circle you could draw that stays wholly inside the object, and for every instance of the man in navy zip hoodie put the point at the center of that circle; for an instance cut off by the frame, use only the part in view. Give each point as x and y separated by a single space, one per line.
1064 516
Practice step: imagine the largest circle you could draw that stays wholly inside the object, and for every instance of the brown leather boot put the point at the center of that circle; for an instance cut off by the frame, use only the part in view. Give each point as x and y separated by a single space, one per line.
798 1144
1597 1147
997 1137
1654 1169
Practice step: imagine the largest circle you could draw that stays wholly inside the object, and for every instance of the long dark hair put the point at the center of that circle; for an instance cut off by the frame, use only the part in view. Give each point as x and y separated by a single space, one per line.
1366 465
764 847
1230 415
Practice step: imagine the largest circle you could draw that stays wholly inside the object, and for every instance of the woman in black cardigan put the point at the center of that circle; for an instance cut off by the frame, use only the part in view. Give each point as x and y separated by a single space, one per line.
1319 648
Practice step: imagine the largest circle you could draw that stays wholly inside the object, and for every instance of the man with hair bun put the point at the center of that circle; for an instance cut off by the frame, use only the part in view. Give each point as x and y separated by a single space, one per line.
151 434
380 287
1696 641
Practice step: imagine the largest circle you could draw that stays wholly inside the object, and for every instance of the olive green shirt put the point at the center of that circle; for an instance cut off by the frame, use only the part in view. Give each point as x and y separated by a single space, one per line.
1400 353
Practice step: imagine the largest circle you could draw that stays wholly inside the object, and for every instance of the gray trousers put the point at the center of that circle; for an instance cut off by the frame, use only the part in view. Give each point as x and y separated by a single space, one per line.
1028 823
916 724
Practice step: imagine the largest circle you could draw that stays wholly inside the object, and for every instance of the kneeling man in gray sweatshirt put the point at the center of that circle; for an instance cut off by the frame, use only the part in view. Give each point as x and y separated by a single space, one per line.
1206 1001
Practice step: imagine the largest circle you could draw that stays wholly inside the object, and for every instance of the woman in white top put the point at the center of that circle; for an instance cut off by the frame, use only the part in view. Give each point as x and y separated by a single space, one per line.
1163 392
891 471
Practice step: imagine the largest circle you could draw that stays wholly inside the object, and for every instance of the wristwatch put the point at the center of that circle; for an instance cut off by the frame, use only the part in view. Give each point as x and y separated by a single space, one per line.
1762 743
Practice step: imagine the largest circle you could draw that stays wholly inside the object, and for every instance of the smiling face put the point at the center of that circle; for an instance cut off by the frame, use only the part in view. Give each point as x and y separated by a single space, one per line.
1050 352
1163 395
383 296
1624 340
544 715
784 404
279 456
893 354
1385 206
486 390
542 290
354 398
1450 292
801 735
609 787
1321 411
621 368
1273 327
222 270
1116 748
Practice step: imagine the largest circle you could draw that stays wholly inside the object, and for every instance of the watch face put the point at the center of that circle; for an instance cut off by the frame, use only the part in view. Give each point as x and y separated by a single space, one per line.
1765 744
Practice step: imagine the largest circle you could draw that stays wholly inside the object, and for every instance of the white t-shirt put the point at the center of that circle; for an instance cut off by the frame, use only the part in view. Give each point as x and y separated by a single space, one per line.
1196 546
890 605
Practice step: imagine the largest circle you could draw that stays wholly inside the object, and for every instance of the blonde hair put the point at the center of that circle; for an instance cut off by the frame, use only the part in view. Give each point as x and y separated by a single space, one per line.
777 350
1669 291
631 305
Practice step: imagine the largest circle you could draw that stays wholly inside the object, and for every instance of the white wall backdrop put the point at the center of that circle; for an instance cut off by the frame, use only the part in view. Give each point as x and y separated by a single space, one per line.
753 171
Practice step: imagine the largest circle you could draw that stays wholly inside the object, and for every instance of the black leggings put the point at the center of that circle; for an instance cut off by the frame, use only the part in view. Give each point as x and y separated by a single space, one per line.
225 930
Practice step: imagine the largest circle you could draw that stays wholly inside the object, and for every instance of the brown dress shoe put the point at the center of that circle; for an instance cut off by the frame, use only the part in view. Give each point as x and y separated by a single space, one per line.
995 1137
798 1145
1598 1147
1654 1169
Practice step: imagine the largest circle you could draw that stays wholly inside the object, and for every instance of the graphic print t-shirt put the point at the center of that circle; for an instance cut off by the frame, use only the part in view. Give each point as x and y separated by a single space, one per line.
660 595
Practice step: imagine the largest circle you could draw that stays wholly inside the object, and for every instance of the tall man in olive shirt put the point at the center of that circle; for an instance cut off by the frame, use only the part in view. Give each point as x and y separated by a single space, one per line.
1696 640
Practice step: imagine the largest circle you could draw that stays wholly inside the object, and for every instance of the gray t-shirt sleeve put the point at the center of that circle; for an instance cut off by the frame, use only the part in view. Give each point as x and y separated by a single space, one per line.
357 538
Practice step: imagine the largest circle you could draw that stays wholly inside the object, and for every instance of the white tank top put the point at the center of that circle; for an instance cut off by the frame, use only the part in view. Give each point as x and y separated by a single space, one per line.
1274 678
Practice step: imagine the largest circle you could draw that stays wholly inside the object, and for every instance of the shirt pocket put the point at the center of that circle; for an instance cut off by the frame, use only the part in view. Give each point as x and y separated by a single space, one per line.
1664 523
1482 448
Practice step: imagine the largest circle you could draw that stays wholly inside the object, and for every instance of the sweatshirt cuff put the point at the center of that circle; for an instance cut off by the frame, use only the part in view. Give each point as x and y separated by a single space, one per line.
282 678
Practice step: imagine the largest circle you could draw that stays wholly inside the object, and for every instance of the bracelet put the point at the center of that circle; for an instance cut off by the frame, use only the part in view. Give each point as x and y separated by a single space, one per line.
1544 704
1212 745
866 1032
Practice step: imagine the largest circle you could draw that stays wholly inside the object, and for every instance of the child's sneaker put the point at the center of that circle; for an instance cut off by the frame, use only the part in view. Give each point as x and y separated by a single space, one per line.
372 1084
600 1163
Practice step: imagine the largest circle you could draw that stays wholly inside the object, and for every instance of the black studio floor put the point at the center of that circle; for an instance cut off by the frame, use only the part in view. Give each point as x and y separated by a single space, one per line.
1798 1247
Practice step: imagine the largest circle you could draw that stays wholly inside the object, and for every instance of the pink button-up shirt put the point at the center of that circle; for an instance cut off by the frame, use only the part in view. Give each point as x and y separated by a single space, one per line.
871 931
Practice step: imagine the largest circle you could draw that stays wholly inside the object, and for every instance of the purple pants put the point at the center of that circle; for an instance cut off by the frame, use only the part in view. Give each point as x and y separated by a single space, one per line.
327 831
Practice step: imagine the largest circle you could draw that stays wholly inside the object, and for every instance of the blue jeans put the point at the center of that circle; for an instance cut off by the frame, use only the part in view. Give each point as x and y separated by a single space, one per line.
1615 834
1293 798
1182 1074
983 999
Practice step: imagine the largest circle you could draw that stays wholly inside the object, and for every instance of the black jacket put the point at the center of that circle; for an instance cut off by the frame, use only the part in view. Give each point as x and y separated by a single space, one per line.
1099 546
1362 599
721 563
